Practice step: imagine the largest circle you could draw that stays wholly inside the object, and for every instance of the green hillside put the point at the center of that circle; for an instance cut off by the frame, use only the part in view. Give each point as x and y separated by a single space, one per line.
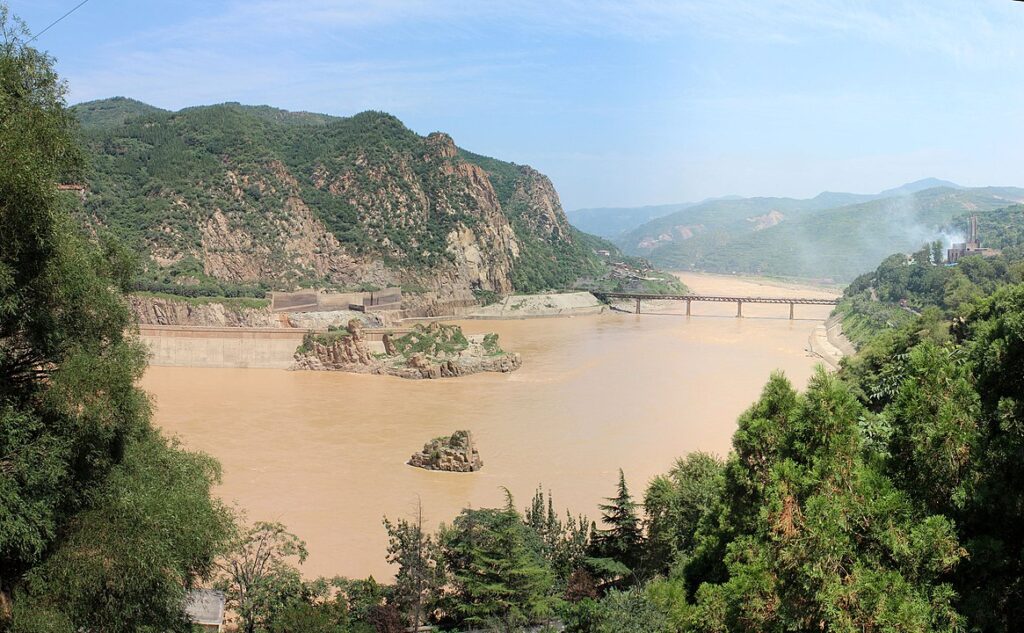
215 199
806 238
898 289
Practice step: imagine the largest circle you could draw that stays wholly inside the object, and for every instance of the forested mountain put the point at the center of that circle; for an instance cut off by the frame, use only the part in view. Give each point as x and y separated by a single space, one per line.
833 235
900 288
242 198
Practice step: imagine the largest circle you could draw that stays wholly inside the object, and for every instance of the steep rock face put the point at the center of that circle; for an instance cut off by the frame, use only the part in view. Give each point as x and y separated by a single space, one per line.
540 208
253 196
158 311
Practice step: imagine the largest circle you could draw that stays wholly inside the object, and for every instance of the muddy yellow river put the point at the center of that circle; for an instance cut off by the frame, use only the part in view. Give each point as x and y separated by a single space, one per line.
325 453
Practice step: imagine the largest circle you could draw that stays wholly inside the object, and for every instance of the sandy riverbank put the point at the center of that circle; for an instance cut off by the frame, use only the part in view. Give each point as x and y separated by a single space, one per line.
541 305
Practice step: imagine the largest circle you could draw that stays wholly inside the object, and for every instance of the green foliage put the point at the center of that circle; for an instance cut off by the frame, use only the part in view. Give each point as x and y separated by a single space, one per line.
815 535
102 523
563 543
245 303
889 297
498 573
121 568
435 340
491 346
675 505
258 575
486 297
621 541
420 575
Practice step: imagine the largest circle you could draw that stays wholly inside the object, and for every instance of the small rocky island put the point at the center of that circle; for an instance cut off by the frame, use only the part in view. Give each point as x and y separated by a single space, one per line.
455 454
428 351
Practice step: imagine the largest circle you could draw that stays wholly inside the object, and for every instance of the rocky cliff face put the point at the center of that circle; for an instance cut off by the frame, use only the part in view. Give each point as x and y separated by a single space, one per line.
159 311
224 194
540 209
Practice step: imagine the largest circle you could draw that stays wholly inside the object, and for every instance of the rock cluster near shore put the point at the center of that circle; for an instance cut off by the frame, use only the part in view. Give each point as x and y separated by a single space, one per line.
455 453
429 351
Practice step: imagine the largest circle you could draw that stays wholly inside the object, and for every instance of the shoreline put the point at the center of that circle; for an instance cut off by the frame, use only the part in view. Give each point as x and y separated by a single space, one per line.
248 346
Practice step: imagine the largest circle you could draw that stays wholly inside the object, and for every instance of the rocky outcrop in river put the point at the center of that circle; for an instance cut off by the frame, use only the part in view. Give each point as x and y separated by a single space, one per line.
455 453
429 351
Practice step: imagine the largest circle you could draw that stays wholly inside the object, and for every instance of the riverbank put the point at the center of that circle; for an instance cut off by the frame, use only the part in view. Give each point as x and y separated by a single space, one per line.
540 305
225 337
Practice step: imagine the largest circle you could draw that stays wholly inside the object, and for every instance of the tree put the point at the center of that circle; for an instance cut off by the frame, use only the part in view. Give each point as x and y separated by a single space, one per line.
564 543
815 536
259 574
630 612
420 571
499 576
675 504
102 523
992 581
621 541
937 255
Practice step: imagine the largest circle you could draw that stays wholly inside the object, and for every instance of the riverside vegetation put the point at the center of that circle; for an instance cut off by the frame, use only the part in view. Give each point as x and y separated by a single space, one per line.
885 497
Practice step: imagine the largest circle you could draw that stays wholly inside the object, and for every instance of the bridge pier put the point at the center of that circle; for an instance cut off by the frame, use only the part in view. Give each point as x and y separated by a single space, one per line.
687 307
638 305
739 309
791 305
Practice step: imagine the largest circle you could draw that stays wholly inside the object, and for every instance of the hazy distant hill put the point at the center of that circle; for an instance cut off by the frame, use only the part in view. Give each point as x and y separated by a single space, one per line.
833 235
239 196
612 222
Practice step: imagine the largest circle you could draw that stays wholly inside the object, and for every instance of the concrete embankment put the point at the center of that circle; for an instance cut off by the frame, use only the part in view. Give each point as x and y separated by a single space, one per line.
267 348
181 346
828 342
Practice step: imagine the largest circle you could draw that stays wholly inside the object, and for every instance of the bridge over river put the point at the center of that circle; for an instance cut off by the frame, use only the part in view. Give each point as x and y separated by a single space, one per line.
792 301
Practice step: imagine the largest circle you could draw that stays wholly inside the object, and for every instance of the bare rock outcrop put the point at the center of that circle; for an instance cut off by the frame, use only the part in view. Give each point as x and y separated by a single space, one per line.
455 453
152 310
429 351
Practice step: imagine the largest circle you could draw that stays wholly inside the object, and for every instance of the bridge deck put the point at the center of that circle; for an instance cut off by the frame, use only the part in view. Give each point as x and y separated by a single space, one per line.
719 298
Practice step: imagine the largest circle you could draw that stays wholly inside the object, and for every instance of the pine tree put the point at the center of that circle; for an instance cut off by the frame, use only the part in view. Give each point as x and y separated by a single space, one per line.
622 540
497 569
420 573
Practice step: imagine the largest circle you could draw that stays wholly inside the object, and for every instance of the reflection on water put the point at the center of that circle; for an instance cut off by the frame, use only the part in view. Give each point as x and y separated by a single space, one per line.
325 453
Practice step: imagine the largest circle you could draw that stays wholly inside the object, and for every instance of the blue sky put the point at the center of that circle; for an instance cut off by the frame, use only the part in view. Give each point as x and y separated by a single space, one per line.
621 103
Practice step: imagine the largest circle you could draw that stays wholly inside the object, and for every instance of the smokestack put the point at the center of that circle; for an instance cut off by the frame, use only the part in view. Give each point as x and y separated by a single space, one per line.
974 228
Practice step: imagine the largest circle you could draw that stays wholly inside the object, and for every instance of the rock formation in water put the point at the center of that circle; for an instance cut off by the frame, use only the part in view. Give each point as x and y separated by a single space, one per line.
456 453
429 351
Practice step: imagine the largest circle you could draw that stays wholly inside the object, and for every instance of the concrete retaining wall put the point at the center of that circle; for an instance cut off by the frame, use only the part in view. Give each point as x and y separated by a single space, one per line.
270 348
176 346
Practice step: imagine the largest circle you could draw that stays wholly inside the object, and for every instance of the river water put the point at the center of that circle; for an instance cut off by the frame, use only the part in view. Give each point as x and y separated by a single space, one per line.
325 452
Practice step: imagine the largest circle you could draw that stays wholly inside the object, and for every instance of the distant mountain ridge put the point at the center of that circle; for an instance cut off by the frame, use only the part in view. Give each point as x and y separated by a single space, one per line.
833 235
614 222
253 196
